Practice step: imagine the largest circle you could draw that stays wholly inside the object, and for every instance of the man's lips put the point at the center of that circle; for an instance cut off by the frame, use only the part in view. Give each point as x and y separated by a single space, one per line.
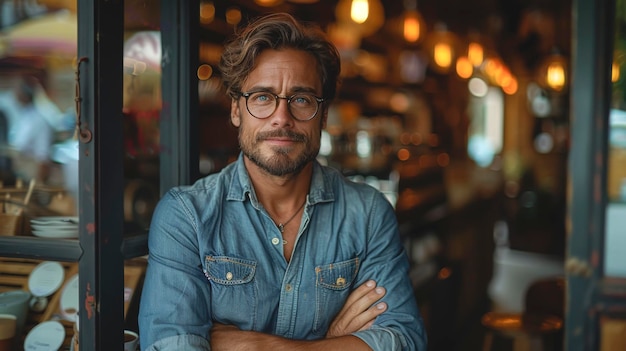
280 141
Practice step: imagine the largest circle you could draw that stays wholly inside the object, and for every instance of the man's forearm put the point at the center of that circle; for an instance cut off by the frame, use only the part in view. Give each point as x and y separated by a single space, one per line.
231 339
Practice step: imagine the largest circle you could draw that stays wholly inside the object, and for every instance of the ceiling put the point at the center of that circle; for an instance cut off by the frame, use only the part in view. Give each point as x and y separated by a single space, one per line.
526 28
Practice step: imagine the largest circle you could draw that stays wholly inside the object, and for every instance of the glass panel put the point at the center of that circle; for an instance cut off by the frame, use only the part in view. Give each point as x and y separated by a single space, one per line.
38 148
615 255
141 111
218 138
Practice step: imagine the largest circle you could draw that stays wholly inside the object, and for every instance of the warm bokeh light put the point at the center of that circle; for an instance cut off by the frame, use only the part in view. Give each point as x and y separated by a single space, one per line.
207 12
416 139
366 16
552 73
444 273
268 3
359 11
233 16
405 138
511 87
441 46
475 53
615 73
443 55
464 67
555 76
403 154
411 26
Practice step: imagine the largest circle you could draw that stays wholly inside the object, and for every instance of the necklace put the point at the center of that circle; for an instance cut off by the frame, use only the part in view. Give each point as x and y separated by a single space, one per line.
281 225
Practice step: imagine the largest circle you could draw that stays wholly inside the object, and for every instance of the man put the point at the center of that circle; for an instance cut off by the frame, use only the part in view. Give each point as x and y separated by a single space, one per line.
32 136
277 252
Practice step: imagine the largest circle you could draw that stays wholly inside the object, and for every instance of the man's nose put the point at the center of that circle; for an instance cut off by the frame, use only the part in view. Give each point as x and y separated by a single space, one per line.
282 115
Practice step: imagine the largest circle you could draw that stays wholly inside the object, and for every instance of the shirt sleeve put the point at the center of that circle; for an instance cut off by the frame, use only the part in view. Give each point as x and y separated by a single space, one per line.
400 327
175 307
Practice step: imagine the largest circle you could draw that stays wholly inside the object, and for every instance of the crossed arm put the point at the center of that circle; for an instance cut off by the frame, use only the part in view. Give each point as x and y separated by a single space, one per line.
358 313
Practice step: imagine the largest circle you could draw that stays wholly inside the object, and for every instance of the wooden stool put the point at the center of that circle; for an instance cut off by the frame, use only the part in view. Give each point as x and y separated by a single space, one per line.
541 321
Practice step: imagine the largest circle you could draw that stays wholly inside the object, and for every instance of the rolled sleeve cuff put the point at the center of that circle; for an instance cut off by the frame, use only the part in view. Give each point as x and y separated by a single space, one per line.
180 342
381 339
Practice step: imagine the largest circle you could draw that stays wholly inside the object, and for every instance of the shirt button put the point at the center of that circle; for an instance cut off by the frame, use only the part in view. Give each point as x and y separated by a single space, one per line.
275 241
229 276
288 287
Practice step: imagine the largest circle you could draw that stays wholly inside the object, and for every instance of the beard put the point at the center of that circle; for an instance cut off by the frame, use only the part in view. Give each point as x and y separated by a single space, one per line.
278 163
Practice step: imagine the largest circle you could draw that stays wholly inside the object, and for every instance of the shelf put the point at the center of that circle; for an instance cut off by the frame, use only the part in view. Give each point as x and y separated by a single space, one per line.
65 250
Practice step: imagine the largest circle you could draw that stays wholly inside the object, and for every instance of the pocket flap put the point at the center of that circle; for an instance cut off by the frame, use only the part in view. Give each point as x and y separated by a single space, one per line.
337 276
229 270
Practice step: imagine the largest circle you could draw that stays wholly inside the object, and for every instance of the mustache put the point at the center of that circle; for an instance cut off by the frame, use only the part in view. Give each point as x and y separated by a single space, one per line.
281 134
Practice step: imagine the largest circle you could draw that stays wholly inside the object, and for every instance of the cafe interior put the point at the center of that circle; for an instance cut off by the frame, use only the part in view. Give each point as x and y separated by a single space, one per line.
462 113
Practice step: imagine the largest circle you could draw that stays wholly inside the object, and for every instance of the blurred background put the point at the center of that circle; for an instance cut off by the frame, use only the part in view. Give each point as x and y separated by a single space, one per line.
458 111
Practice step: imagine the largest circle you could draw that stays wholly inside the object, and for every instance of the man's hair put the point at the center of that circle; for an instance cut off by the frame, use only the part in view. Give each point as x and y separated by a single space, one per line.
278 31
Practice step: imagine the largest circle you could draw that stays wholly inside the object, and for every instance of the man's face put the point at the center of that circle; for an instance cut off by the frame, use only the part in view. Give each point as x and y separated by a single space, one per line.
280 144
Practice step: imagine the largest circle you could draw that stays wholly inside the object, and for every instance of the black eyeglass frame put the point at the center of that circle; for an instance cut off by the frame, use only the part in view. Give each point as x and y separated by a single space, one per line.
247 95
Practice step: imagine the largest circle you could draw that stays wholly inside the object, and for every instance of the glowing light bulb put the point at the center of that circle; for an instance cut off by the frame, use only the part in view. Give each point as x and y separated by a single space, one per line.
475 54
443 55
464 67
411 26
359 11
555 76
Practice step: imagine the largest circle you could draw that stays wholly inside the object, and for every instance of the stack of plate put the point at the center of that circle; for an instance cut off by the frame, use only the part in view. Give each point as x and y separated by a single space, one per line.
55 227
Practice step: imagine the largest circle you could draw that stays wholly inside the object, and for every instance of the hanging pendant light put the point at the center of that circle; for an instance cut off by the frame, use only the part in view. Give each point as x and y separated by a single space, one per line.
413 25
367 16
553 71
441 46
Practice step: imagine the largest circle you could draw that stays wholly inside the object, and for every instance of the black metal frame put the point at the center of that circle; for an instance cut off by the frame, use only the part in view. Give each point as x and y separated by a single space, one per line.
102 247
587 285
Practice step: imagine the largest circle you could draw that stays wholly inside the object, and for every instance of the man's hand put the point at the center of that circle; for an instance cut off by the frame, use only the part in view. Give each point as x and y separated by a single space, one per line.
358 313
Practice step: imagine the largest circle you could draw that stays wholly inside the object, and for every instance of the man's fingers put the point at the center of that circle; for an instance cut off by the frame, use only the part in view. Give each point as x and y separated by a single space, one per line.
359 311
355 295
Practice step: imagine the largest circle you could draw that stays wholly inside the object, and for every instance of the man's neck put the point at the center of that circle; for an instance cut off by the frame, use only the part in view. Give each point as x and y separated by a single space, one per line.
279 191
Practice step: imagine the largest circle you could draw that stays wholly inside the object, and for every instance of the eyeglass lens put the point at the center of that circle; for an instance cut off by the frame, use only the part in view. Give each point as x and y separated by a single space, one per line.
263 104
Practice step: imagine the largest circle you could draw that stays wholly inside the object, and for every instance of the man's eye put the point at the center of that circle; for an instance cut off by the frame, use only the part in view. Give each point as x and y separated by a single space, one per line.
262 97
302 99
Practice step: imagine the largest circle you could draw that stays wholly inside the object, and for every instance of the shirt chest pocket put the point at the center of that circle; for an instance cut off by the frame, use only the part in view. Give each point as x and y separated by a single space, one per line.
233 292
333 284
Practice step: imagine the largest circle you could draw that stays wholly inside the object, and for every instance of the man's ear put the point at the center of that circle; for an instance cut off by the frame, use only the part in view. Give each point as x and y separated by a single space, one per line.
235 115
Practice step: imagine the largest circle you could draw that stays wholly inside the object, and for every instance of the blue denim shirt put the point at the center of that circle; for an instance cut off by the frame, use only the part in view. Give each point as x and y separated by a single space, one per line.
215 255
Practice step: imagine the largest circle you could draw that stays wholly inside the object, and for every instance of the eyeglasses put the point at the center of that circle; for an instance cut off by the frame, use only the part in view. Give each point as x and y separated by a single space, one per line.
302 106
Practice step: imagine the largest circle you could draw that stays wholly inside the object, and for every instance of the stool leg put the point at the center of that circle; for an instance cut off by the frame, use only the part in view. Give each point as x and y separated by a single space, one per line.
527 343
488 341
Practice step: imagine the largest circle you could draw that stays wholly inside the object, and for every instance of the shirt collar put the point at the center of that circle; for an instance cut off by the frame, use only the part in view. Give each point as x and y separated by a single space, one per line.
241 186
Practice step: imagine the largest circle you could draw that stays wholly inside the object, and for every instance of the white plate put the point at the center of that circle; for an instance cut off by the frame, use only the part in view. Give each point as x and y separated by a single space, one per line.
55 233
46 278
55 220
54 226
69 299
45 336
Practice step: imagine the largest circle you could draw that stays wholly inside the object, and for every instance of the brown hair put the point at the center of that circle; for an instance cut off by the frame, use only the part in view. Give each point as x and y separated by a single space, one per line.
278 31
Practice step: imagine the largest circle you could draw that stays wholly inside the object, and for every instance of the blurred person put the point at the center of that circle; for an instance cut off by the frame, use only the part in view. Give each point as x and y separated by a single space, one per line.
6 167
32 136
277 252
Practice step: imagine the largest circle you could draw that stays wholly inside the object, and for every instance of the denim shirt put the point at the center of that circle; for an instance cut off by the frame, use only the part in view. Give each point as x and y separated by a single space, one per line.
215 255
